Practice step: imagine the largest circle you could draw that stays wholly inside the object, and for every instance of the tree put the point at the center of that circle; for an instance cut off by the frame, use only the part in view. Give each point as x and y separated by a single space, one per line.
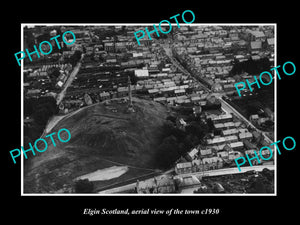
133 78
189 142
28 107
29 39
171 118
41 116
83 186
197 129
41 109
250 66
257 186
75 57
168 152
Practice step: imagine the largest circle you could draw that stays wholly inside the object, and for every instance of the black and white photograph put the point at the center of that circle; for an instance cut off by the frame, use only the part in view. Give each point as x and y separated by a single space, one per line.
140 111
155 115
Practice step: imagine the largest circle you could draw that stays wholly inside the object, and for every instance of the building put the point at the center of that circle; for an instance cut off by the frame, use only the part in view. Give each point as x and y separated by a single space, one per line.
187 184
104 96
254 117
199 165
219 126
221 118
109 47
212 163
185 167
233 155
255 45
231 138
229 132
122 91
237 145
245 135
256 35
270 43
229 125
251 154
141 73
223 154
266 154
205 152
180 123
216 140
191 155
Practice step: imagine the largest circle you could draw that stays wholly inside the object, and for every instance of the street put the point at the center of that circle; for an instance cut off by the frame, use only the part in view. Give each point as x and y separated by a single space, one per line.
229 109
60 96
70 79
226 171
225 106
218 172
131 186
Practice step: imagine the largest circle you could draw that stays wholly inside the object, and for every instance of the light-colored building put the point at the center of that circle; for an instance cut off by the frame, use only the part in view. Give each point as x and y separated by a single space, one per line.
236 145
191 155
216 140
245 135
141 73
229 132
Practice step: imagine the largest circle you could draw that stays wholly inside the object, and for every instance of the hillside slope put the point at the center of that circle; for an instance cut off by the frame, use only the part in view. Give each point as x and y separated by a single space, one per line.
102 136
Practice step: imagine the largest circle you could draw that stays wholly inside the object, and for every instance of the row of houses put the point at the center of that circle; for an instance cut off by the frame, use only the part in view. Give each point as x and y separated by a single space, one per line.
234 141
211 57
199 165
200 160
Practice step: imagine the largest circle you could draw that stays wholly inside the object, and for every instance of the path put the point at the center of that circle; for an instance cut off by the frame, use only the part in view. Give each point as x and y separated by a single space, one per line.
72 76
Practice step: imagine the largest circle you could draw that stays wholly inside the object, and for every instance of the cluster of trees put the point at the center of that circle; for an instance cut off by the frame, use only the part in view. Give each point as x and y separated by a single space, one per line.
83 186
250 66
112 32
74 59
212 188
30 38
40 109
263 183
53 73
133 77
176 142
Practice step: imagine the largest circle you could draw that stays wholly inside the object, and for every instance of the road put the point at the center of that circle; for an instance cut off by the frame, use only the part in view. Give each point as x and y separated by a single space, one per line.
55 119
228 108
131 186
60 96
225 106
219 172
227 171
180 67
120 189
72 76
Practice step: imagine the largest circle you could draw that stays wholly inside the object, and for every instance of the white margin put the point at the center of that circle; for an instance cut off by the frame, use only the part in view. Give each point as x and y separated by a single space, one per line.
22 112
149 24
275 108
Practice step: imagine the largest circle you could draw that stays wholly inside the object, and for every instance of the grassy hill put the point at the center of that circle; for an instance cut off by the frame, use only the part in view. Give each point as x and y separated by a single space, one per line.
102 136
